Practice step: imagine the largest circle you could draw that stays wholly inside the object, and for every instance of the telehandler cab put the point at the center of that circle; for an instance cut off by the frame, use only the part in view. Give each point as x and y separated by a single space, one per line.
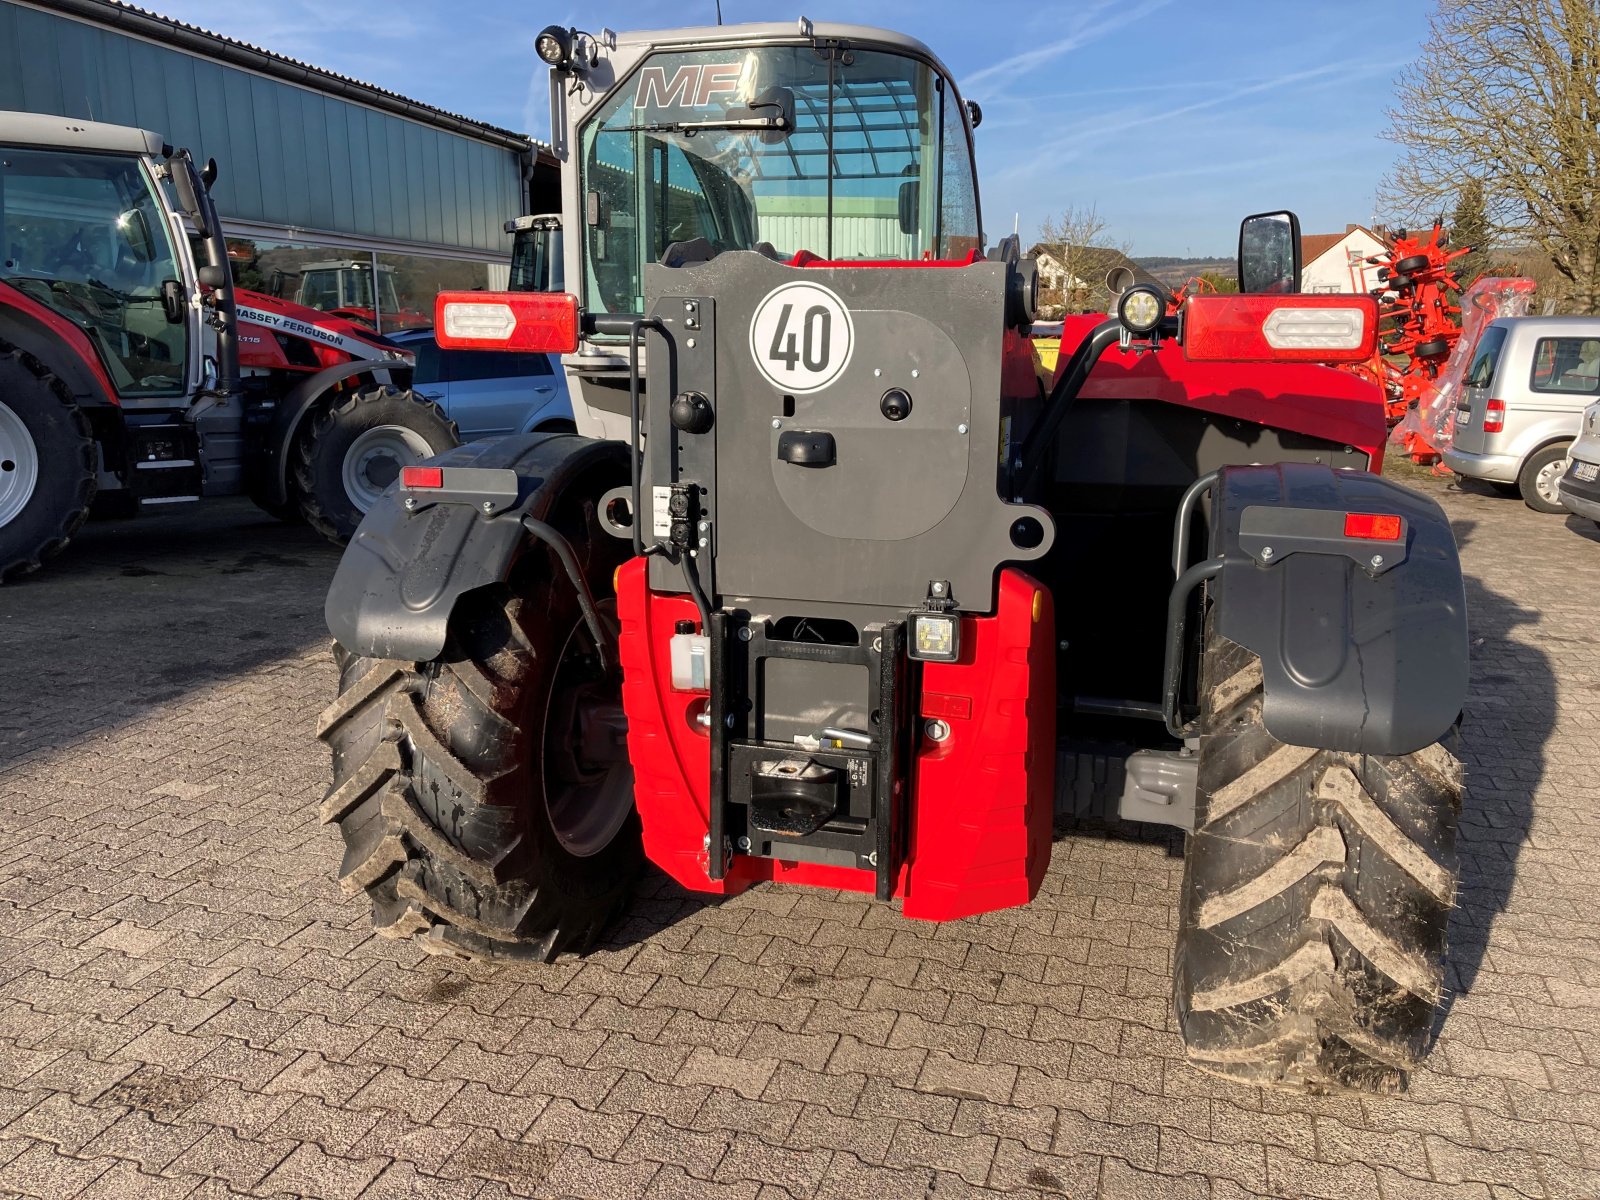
830 580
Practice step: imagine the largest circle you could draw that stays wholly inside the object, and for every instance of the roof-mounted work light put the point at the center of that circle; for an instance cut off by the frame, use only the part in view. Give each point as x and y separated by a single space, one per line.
554 46
1141 308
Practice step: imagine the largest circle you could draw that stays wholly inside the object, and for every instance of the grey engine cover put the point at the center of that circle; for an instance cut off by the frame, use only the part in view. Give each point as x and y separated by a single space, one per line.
899 502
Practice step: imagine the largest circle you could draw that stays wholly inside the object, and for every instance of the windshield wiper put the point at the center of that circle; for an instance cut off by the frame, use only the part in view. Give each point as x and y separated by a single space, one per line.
759 124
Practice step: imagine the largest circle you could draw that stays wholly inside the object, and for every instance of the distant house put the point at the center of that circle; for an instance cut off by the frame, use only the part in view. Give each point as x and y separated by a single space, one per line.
1336 262
1073 278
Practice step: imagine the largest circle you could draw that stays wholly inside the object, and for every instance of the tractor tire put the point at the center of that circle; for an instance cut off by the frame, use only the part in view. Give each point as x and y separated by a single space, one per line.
1537 481
1400 282
1413 264
1316 894
1432 348
470 813
354 448
47 463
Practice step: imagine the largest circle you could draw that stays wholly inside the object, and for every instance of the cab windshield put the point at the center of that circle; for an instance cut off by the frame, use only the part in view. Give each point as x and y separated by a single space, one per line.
869 159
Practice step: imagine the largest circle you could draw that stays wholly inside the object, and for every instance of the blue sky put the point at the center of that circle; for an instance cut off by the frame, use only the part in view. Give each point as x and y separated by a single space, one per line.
1172 118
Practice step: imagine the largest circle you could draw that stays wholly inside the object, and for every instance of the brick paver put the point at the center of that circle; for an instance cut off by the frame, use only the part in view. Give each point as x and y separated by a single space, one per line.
190 1008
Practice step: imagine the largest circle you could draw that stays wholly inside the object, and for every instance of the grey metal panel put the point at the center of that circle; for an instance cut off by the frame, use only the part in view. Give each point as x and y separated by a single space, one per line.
288 155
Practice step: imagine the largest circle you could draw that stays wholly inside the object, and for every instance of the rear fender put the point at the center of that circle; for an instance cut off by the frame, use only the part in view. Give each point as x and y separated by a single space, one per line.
56 342
1363 642
295 405
403 572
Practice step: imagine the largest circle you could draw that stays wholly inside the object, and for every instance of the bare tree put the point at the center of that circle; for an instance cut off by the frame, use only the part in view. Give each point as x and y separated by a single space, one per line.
1076 239
1508 92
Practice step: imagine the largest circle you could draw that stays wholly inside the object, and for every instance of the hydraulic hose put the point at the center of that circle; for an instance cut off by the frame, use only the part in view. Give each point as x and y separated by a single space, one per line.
553 538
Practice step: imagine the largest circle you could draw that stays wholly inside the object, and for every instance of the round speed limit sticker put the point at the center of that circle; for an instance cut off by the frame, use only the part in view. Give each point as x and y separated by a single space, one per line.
801 337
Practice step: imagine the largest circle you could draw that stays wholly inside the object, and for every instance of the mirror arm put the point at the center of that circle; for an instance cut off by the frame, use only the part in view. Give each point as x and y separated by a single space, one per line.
1036 446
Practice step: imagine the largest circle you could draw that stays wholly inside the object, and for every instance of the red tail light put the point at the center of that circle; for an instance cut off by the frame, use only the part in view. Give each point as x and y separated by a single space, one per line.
1268 328
1379 527
422 477
542 322
1494 416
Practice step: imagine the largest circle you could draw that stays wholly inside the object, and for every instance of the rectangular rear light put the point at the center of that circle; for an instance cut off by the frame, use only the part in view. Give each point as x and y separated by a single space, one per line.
422 477
1494 416
540 322
1379 527
1272 328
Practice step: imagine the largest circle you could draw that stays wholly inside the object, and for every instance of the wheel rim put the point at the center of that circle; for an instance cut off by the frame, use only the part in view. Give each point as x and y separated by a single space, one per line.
19 465
1547 481
587 779
374 460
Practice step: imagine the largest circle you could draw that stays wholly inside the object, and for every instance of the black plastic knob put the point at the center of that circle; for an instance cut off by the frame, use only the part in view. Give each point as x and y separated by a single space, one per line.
691 412
896 404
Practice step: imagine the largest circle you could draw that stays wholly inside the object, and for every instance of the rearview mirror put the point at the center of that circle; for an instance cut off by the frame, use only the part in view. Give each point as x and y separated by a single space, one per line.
910 205
135 233
183 182
1269 253
208 174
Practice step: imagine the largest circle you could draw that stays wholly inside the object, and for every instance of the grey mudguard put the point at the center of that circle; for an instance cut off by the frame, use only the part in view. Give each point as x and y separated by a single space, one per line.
403 571
1356 656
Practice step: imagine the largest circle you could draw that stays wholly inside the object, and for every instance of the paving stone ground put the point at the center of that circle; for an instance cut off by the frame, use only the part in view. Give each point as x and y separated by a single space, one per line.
190 1007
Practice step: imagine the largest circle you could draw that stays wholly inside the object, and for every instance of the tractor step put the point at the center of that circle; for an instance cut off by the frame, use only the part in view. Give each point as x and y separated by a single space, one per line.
1110 781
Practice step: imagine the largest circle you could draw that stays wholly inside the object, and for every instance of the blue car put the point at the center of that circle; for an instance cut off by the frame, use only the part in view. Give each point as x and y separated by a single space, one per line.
489 392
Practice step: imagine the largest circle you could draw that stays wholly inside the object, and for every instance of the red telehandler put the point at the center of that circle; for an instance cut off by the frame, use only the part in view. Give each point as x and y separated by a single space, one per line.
830 577
133 370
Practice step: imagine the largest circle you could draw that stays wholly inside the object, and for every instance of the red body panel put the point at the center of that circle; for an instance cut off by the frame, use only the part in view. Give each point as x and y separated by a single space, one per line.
76 340
333 339
981 803
1318 401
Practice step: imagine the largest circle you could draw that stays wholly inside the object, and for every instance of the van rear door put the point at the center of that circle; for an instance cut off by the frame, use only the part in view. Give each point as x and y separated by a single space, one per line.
1477 389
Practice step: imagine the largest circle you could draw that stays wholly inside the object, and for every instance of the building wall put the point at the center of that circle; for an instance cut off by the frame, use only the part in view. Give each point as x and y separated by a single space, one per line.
289 157
1334 271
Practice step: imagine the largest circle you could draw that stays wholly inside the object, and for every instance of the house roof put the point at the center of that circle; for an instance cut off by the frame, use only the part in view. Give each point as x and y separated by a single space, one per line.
1314 245
180 35
1093 261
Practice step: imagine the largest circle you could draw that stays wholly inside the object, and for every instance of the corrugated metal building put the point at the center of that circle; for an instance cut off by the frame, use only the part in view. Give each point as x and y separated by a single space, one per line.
338 193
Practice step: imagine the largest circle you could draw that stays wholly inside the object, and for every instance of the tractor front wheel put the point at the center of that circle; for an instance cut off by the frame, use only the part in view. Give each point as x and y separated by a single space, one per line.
47 463
1317 888
485 798
354 450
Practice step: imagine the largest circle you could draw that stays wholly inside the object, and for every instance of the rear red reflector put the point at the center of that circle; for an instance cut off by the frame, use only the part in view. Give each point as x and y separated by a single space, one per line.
1376 526
1494 416
422 477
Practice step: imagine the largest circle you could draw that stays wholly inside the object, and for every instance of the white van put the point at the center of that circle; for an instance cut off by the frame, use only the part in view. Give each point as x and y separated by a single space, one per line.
1522 404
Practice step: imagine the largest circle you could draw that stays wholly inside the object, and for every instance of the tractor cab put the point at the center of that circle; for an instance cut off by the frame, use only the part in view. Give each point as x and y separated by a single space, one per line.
92 229
536 264
841 143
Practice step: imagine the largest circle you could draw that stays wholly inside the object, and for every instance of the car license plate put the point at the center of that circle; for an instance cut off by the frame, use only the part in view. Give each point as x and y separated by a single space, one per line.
1585 471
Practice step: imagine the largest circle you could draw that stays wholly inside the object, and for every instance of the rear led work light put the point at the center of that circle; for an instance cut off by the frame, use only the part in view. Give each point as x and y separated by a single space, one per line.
935 637
422 477
1378 527
1315 328
493 322
1280 328
538 322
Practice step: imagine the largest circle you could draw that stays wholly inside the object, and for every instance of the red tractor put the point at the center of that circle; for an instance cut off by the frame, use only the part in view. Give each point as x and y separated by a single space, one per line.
830 579
132 370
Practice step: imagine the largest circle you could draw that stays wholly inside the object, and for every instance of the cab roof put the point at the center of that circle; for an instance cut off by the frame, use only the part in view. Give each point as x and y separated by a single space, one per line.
777 32
67 133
